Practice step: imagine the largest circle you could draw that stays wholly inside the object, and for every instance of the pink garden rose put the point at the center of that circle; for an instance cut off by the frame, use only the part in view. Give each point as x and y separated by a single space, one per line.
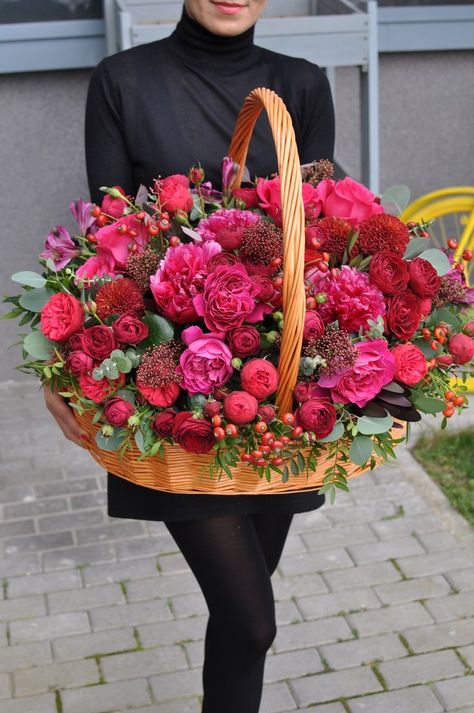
180 277
206 364
98 391
228 299
348 199
174 193
227 227
61 316
117 411
260 378
374 367
269 199
115 241
410 363
78 362
96 266
313 325
240 407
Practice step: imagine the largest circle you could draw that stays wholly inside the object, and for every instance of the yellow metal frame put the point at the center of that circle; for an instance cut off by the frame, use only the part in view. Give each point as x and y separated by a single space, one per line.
446 201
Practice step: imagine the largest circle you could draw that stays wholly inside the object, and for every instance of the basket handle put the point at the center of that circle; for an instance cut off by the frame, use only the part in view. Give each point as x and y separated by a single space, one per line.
294 298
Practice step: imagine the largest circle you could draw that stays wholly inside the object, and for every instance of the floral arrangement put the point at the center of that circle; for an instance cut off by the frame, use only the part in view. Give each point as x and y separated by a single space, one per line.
163 314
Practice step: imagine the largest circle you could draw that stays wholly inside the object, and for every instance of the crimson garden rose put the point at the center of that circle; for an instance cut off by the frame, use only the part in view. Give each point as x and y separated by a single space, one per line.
99 341
162 396
130 330
98 391
240 407
195 435
174 193
78 362
403 315
424 280
244 341
389 272
317 415
163 423
117 411
267 413
410 363
313 325
228 298
61 316
260 378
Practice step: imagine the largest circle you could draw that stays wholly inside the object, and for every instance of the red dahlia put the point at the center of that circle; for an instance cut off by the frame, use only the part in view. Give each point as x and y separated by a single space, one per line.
383 232
120 297
334 235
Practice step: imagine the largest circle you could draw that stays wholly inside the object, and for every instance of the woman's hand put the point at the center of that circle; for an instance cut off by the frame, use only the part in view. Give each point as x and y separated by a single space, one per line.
64 417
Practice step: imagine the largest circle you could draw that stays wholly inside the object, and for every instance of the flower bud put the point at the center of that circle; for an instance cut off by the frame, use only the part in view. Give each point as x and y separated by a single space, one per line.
237 363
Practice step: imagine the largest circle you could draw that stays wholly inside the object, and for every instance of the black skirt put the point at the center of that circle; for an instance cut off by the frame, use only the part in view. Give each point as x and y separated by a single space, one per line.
128 500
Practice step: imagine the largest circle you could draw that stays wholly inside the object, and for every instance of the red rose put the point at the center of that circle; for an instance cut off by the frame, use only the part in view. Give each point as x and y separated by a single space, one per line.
75 341
260 378
403 315
305 390
211 408
240 407
318 416
117 411
424 280
61 316
469 328
163 423
228 298
113 206
247 195
313 325
461 347
162 396
98 341
195 435
410 364
99 390
79 362
174 193
389 272
130 330
244 341
267 413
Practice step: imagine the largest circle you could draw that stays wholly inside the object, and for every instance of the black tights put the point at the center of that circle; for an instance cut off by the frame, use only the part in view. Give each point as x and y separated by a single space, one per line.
232 558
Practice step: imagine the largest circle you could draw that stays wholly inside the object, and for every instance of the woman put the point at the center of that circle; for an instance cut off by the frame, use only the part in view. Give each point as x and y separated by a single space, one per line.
157 109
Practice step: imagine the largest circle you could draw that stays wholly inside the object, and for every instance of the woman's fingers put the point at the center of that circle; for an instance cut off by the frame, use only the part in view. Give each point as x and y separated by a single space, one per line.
64 417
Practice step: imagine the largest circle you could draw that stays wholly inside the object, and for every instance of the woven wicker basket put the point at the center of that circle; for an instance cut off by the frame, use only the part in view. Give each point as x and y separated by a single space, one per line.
182 472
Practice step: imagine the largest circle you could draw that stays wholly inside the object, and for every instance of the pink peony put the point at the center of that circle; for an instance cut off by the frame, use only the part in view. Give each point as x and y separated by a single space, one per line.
374 367
348 199
205 364
180 277
352 299
228 299
114 244
227 227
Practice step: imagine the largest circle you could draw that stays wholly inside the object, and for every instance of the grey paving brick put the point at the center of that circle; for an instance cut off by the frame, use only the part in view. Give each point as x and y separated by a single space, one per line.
456 693
362 576
173 632
89 500
440 636
132 570
33 704
435 563
19 564
44 582
292 664
325 708
68 487
418 699
70 674
309 634
108 697
16 493
47 627
468 653
322 605
188 683
403 525
338 537
172 563
166 586
24 655
438 541
294 543
302 585
5 686
87 598
454 606
357 652
314 562
35 507
22 607
287 612
69 648
180 705
145 546
413 589
422 668
332 686
133 614
37 543
70 520
389 619
74 556
461 579
109 531
276 698
386 550
144 663
364 512
17 527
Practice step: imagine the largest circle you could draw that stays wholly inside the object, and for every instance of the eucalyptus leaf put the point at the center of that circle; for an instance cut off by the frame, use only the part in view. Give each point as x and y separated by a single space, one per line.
34 300
160 329
444 315
37 346
98 373
140 441
368 425
360 450
191 233
336 433
26 277
126 394
395 199
109 443
427 404
438 259
414 248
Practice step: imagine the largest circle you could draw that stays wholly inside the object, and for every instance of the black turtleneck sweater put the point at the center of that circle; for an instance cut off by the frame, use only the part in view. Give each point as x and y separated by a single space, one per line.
159 108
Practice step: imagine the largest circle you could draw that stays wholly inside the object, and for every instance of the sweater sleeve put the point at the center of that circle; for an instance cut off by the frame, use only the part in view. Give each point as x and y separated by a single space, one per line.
319 122
107 159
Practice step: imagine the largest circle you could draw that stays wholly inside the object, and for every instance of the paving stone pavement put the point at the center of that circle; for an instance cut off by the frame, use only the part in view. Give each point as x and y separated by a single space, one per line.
374 595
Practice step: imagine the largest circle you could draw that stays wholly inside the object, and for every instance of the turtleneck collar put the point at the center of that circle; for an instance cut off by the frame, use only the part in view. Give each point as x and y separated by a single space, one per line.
197 45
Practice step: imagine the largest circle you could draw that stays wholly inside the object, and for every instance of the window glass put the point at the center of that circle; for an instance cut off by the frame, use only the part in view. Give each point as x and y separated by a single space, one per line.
49 10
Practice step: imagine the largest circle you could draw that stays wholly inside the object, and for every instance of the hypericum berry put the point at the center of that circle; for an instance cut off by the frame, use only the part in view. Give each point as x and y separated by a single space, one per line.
326 257
448 412
265 450
261 427
231 430
432 364
276 262
277 281
140 215
435 345
174 241
268 438
153 228
256 454
277 445
277 461
101 220
216 420
459 266
449 395
467 255
322 266
96 211
459 400
411 224
259 462
310 303
245 457
297 431
285 440
219 433
424 234
439 333
288 419
452 243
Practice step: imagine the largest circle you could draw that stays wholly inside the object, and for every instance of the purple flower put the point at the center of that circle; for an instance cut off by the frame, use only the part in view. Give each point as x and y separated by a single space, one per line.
209 193
82 214
229 171
60 247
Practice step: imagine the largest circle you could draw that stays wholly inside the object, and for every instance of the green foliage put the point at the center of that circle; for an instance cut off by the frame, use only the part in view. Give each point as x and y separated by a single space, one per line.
38 346
395 199
34 300
438 259
161 330
31 279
